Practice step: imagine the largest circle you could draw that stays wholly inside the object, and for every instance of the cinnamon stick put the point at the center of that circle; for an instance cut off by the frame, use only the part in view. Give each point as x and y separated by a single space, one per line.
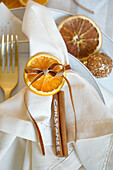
63 123
56 125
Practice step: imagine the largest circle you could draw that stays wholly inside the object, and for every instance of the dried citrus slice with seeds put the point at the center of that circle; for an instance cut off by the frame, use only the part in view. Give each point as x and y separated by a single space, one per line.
42 2
47 84
81 35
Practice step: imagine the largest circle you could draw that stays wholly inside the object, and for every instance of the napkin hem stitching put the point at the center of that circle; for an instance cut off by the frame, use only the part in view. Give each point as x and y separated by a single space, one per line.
107 157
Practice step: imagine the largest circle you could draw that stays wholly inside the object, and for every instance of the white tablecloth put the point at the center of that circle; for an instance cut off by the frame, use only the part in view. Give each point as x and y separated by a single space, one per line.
103 11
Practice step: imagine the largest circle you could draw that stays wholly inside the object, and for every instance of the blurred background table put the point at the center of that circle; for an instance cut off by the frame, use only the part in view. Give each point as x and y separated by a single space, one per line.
103 11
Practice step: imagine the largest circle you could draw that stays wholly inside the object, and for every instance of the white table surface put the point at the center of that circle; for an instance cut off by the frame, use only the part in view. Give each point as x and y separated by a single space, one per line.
103 11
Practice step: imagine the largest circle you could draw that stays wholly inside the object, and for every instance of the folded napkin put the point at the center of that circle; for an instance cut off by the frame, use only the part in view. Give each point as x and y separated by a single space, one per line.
18 142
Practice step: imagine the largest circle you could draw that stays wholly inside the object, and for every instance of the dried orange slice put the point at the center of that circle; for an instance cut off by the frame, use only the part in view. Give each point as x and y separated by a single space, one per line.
47 84
42 2
11 4
81 35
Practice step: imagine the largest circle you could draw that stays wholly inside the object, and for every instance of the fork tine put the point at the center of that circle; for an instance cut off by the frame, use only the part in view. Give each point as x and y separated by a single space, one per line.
6 57
2 53
2 47
16 51
9 77
11 55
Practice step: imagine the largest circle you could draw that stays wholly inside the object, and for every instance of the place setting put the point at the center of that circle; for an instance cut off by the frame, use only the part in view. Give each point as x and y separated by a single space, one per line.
55 66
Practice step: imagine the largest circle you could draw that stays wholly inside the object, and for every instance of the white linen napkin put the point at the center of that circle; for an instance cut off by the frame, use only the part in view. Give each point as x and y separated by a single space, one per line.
94 121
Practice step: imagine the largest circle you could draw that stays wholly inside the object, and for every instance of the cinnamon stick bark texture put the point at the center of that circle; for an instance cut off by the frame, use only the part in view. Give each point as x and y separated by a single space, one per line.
63 123
56 125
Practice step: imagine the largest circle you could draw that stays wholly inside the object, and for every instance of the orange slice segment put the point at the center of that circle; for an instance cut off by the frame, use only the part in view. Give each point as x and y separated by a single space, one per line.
42 2
81 35
47 84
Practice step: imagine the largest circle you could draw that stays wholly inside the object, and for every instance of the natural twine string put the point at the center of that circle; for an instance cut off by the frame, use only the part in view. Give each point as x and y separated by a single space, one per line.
88 10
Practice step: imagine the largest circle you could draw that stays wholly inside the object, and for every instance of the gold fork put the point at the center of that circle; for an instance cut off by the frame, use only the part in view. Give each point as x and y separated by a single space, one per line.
9 74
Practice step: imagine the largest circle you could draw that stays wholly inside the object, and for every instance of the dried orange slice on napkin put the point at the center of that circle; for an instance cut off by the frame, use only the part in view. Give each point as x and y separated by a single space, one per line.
81 35
47 84
42 2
